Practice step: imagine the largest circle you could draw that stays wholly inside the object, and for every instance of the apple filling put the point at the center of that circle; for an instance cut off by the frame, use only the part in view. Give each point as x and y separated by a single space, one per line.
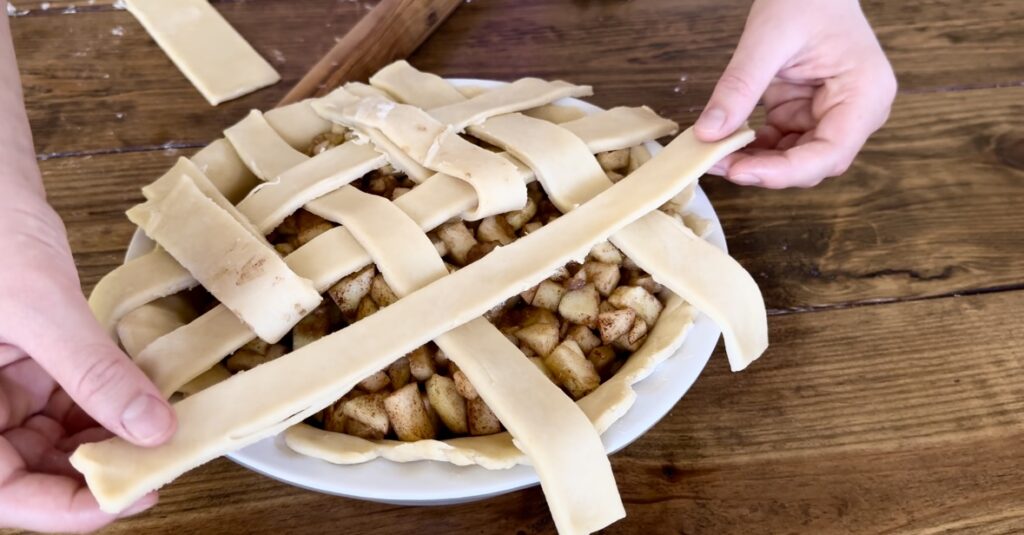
579 326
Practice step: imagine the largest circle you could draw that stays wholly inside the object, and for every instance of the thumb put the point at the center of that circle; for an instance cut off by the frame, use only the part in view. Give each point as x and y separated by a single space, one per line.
71 346
759 56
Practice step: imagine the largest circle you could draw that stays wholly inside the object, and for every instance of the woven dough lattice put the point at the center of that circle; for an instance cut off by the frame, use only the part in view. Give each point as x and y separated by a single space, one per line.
468 155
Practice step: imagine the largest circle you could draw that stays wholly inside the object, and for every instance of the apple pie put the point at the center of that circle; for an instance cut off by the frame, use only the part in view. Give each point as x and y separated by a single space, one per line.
411 270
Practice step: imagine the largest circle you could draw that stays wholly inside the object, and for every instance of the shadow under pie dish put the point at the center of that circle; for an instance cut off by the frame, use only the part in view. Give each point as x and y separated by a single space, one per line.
418 195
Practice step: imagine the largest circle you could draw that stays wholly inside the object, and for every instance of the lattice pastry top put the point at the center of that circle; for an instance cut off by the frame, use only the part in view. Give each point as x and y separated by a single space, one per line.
424 212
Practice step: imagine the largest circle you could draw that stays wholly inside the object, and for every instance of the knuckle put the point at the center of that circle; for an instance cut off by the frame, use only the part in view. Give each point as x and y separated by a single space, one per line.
104 374
735 83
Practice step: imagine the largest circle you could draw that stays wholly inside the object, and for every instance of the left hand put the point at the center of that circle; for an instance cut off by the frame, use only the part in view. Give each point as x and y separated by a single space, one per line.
826 84
39 428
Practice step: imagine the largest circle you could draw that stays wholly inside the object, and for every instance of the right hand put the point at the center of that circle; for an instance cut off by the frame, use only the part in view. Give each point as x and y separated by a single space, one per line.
63 381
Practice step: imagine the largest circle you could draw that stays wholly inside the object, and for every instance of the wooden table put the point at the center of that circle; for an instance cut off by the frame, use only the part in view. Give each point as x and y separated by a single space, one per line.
891 398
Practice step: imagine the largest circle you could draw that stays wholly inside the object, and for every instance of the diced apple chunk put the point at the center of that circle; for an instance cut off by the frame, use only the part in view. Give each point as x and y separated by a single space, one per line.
572 370
520 217
349 291
459 240
581 306
381 293
366 308
539 337
399 372
615 160
584 337
311 328
463 386
407 414
449 405
369 411
606 252
376 382
481 420
497 229
548 295
641 301
421 363
605 276
601 357
615 324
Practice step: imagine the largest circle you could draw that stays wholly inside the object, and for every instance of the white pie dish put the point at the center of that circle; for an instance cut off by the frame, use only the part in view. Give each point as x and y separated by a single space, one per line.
437 483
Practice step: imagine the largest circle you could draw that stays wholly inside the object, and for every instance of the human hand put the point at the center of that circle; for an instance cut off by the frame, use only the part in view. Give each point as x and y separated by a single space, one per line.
826 85
62 379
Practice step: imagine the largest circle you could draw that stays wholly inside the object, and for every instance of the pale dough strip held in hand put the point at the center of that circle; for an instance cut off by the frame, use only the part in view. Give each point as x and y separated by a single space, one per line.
207 50
573 468
695 270
178 357
242 271
269 398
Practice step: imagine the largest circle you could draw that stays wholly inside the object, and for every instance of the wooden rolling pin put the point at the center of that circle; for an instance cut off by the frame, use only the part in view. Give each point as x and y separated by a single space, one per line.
389 32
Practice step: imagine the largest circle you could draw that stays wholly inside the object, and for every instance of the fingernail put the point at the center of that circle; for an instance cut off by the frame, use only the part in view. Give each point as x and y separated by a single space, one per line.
746 180
146 418
711 120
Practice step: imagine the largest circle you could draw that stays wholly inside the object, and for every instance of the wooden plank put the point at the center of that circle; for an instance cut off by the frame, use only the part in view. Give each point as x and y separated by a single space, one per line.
865 420
392 31
932 207
88 89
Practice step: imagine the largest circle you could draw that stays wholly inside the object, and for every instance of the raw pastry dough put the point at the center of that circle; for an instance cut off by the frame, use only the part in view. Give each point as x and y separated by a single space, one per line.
690 267
573 468
242 271
271 397
413 86
207 50
263 151
183 354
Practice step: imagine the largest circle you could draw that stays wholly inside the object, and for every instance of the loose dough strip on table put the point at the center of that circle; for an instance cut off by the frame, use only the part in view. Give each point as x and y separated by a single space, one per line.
264 152
207 50
412 86
183 354
498 186
241 271
695 270
520 95
573 468
270 398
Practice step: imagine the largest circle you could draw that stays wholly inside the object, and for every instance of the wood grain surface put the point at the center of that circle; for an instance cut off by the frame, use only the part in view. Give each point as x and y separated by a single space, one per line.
392 30
890 400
